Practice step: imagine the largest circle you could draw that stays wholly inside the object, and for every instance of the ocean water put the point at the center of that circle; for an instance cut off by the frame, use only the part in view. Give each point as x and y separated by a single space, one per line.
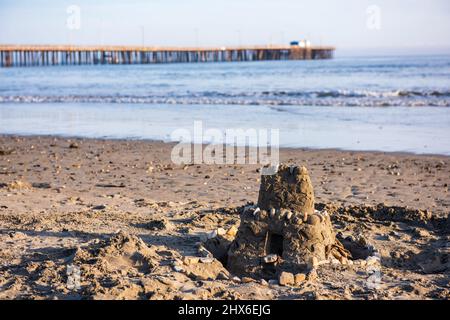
378 103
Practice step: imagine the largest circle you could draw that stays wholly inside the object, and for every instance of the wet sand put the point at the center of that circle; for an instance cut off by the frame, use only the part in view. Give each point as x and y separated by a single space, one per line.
63 202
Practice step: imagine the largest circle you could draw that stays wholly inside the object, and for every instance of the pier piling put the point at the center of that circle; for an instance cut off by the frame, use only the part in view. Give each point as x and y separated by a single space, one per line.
21 55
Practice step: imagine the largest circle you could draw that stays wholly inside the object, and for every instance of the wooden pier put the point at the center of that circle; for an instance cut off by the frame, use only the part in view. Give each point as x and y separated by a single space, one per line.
27 56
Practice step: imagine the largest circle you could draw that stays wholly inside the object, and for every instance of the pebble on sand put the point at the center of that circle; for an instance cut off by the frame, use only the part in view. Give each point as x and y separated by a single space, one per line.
286 279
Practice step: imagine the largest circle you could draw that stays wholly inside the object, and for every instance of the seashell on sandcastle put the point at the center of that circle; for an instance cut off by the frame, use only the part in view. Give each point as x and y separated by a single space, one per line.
283 232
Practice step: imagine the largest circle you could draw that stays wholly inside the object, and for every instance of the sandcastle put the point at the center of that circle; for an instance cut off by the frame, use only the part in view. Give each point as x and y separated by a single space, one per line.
283 232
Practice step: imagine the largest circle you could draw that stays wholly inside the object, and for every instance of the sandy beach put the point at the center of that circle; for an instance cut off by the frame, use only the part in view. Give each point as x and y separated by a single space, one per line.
93 219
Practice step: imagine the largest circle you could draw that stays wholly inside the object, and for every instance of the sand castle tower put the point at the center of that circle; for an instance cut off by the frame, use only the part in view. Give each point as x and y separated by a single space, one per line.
283 232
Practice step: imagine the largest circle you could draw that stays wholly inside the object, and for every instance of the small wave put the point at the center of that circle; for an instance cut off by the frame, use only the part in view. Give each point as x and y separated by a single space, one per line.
275 98
358 93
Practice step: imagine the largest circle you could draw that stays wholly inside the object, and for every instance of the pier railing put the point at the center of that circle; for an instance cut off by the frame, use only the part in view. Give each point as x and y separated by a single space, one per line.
23 55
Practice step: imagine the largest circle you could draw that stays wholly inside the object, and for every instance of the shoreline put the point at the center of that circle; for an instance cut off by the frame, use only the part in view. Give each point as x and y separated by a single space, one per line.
391 130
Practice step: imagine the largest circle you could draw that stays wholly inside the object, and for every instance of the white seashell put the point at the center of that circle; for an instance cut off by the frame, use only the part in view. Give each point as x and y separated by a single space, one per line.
206 260
268 171
212 234
323 262
221 231
178 269
272 212
271 258
372 260
335 261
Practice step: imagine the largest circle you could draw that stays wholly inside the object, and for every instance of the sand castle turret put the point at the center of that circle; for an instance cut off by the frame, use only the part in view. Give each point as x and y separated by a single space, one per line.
283 232
290 189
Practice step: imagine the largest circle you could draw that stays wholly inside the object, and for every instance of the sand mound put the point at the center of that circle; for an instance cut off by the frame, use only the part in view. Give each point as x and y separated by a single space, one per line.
108 267
204 268
383 213
434 261
125 267
122 253
158 224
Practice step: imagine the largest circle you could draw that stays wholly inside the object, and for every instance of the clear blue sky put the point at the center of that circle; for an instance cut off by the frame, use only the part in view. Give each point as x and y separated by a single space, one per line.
404 25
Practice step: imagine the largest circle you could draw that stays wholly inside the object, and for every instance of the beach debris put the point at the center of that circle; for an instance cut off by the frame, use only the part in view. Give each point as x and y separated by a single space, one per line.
299 278
73 145
263 282
18 185
313 262
222 276
372 260
158 224
286 279
247 280
141 203
206 260
6 152
421 233
110 185
335 261
190 260
218 247
271 258
312 275
204 268
99 207
273 282
41 185
17 235
177 268
221 231
232 231
212 234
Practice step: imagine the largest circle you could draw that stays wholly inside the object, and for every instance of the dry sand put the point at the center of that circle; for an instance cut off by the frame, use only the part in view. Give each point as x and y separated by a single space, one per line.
102 219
